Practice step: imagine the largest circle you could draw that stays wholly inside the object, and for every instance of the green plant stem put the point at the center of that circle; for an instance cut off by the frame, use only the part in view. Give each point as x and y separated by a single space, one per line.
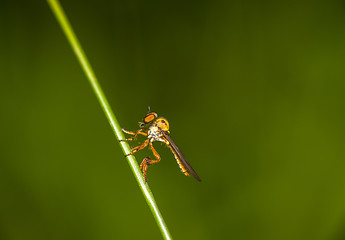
71 37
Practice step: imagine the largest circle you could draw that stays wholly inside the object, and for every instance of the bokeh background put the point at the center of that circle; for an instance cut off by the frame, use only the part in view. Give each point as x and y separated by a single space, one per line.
254 92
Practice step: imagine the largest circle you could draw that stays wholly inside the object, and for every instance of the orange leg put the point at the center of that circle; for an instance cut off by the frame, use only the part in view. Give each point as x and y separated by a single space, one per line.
138 148
148 161
140 131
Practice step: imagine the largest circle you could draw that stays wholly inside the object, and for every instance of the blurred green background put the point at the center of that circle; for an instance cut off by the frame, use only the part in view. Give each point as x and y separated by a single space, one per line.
254 92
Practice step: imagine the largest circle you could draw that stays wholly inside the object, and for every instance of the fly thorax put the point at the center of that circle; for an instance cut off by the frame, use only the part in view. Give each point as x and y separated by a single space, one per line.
155 134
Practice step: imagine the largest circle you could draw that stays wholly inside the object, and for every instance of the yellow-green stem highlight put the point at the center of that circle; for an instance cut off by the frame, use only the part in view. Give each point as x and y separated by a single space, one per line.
72 39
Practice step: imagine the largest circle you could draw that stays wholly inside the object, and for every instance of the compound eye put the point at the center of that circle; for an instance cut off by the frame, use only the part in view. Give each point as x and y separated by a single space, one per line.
150 117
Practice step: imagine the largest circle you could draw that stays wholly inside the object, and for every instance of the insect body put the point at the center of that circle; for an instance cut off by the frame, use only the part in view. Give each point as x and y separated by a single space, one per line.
158 130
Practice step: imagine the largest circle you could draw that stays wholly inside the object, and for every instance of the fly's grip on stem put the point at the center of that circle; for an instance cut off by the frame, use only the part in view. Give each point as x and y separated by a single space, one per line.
158 130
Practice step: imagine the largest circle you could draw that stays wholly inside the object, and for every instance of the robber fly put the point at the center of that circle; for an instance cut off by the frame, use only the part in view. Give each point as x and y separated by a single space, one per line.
157 129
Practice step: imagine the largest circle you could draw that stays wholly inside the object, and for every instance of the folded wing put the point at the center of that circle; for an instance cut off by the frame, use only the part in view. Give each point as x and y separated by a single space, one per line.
186 168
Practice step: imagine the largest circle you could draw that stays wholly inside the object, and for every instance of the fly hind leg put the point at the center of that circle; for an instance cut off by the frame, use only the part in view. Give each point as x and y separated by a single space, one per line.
148 161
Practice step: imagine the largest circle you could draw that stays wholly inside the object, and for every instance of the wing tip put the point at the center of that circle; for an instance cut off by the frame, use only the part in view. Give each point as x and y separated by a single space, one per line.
197 177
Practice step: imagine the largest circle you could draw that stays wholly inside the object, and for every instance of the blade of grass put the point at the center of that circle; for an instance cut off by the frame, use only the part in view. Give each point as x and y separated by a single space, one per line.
72 39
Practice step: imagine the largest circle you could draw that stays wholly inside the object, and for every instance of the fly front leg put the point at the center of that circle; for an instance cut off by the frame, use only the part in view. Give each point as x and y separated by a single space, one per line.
139 132
138 148
148 161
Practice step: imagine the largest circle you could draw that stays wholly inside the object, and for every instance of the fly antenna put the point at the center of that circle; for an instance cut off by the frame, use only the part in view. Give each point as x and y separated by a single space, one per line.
148 109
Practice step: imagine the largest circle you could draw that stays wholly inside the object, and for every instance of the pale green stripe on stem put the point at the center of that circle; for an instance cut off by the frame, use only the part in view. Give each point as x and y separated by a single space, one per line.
72 39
